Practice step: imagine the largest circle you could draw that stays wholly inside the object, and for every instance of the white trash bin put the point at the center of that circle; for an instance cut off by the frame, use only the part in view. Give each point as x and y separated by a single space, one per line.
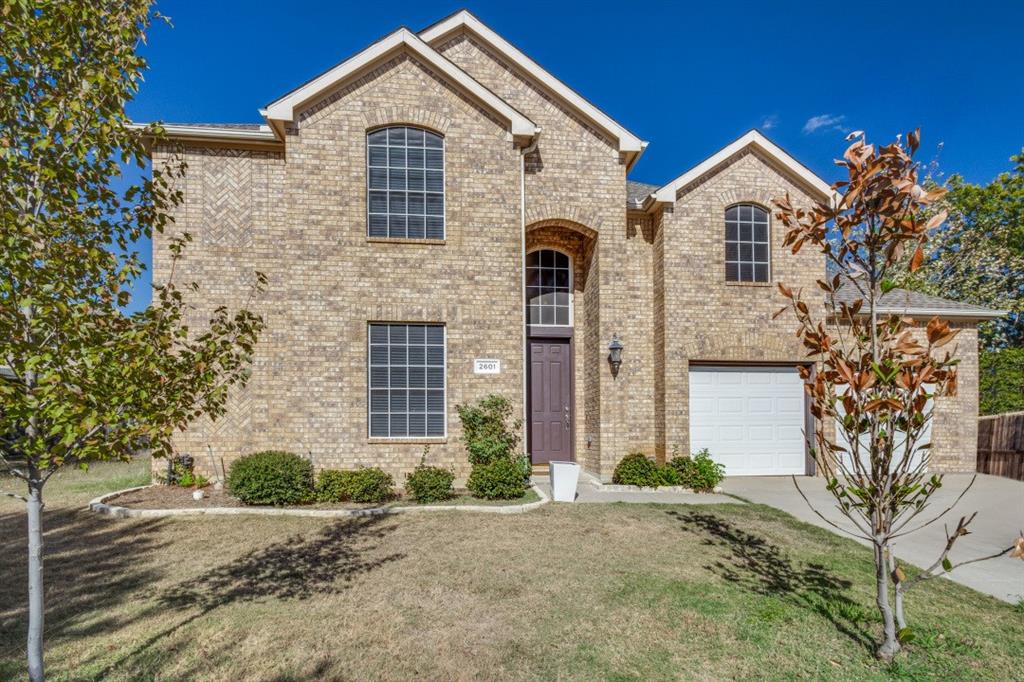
564 477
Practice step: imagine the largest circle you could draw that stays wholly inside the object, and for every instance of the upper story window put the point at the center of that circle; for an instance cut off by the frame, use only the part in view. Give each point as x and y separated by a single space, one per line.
405 183
548 288
746 244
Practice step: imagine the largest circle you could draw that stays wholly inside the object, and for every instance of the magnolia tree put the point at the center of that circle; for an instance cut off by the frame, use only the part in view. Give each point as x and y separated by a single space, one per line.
875 377
80 380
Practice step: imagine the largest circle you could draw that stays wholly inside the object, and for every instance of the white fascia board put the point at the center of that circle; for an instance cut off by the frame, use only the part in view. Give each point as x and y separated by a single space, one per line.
943 313
286 108
264 134
667 194
628 142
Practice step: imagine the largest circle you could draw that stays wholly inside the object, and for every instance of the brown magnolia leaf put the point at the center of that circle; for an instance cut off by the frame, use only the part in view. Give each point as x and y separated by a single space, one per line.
936 220
915 261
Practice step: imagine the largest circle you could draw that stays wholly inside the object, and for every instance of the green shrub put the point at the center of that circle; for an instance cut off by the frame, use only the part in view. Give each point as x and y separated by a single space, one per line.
489 430
334 486
501 479
430 484
271 477
1001 381
668 475
370 485
636 469
699 473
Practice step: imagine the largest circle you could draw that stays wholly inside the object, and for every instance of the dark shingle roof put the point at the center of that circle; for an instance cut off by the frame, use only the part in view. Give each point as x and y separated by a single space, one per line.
904 301
636 192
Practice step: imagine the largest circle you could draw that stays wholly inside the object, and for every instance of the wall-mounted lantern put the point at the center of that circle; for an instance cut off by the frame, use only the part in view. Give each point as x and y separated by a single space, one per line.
615 354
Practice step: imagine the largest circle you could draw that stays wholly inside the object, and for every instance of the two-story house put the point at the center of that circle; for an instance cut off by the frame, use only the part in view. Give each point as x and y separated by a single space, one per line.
440 219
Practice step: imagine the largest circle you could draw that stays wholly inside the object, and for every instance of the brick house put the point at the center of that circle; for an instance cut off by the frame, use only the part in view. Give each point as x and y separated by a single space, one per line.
441 219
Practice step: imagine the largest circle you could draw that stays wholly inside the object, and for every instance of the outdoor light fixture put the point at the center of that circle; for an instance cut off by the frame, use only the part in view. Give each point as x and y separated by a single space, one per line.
615 354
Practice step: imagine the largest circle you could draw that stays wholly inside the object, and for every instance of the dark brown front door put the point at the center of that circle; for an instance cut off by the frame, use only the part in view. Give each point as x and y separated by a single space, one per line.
551 408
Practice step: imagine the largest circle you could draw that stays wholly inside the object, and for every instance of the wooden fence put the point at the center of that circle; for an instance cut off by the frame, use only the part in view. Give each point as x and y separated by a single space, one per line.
1001 445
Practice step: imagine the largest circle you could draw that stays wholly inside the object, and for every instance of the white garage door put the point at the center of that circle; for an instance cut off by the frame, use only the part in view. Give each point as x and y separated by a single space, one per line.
751 419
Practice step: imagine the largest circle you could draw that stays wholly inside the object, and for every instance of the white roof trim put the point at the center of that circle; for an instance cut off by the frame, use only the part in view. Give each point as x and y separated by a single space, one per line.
264 134
667 193
945 313
286 108
628 142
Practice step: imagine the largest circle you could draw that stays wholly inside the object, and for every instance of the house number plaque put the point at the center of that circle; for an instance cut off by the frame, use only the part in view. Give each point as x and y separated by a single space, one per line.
486 366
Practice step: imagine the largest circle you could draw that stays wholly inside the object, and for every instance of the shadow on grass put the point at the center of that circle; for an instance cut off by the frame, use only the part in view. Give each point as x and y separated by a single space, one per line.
296 568
88 570
756 565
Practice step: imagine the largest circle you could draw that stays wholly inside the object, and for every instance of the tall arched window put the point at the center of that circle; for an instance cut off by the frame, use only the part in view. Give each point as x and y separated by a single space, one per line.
405 183
746 244
548 288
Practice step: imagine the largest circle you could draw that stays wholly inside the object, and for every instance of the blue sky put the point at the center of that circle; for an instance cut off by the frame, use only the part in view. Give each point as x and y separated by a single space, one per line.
689 78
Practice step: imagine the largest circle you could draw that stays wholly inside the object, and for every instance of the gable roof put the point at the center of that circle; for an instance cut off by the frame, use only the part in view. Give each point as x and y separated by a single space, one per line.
754 139
287 107
914 303
464 20
637 193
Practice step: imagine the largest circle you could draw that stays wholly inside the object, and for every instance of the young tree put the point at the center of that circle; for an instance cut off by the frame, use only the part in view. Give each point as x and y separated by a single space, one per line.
81 380
875 377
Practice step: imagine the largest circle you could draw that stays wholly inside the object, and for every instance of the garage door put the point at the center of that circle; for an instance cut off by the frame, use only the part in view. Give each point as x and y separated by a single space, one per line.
751 419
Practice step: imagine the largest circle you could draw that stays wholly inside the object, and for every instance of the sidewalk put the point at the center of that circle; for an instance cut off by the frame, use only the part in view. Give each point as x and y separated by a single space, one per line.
589 490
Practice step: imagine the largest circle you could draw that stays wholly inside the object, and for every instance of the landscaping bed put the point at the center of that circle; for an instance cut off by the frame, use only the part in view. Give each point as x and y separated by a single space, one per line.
176 497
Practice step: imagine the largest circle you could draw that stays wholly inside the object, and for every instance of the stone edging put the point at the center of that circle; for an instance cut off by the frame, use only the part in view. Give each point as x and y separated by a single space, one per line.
100 505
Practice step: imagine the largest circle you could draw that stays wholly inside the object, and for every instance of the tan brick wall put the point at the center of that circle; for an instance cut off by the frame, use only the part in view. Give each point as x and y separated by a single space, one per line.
705 317
576 178
955 420
302 221
657 281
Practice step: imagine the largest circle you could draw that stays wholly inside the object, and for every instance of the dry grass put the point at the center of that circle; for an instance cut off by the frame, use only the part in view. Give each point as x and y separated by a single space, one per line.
565 592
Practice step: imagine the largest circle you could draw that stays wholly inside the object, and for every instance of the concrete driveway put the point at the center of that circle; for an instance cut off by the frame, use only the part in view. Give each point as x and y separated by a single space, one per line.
998 501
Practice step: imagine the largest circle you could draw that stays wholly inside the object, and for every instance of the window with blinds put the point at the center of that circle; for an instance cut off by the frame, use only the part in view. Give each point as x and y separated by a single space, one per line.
407 380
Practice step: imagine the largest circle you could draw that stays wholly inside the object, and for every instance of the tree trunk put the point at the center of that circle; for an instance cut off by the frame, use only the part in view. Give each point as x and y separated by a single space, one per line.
890 645
35 580
897 602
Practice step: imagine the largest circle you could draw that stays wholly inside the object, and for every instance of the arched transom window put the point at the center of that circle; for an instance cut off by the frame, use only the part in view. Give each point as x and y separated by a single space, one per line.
405 183
746 244
548 288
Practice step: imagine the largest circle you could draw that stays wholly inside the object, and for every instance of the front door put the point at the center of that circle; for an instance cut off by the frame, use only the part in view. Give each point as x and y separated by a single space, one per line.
550 433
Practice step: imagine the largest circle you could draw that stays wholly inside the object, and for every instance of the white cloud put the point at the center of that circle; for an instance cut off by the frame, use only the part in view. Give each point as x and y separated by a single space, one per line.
824 121
770 122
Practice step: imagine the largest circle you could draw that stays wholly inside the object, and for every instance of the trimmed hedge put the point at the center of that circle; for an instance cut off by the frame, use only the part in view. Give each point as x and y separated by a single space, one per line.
271 477
501 479
636 469
334 486
430 484
359 485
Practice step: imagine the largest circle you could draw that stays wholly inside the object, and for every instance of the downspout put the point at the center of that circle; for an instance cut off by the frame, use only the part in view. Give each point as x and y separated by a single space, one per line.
524 152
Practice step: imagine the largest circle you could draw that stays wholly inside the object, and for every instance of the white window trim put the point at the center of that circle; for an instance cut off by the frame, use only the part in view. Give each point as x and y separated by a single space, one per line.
400 439
572 290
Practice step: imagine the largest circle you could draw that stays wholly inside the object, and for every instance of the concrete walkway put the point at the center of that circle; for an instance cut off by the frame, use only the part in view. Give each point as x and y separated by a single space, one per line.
589 491
998 501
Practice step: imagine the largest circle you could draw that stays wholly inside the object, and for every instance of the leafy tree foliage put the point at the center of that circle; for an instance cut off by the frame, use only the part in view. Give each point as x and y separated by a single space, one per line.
1001 381
80 379
977 255
876 377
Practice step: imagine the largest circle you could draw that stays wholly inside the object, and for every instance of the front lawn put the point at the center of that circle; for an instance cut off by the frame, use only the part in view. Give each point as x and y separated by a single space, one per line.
564 592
